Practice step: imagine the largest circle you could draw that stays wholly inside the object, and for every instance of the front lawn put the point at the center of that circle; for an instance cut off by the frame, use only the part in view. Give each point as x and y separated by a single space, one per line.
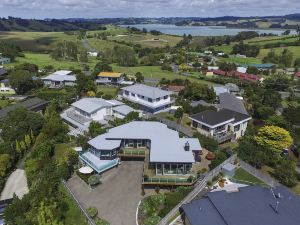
155 207
243 176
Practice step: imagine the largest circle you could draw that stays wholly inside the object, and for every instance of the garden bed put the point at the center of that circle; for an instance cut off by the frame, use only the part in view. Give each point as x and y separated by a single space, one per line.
155 207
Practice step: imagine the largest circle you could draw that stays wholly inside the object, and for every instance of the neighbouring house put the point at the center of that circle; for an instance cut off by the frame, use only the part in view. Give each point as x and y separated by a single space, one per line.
3 72
6 89
112 78
250 205
86 110
4 60
150 99
222 125
233 88
297 75
260 66
220 89
93 54
167 153
60 79
34 104
242 76
3 205
241 69
231 102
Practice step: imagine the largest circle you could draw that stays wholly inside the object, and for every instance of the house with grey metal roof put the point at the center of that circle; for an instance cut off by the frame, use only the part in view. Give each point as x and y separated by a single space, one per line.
34 104
250 205
84 111
231 102
60 79
222 125
168 153
150 99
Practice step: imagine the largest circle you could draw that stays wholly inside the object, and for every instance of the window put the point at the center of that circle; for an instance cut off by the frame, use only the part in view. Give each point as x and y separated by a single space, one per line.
158 99
150 100
194 124
126 92
159 170
205 127
132 94
237 127
139 143
166 97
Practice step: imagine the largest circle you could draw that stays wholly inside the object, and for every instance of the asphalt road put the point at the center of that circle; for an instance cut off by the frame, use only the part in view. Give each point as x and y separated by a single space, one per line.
117 197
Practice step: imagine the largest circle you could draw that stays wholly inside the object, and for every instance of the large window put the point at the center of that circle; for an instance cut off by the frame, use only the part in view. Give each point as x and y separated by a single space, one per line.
237 127
159 169
150 100
203 127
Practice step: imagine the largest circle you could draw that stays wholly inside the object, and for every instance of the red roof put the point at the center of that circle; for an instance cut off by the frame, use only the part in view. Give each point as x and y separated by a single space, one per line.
242 76
297 74
175 88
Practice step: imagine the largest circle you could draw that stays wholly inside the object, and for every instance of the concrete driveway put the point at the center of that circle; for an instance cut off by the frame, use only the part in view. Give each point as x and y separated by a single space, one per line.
117 197
16 183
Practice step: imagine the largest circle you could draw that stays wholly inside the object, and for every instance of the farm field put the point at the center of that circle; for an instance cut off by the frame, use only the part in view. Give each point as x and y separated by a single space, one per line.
294 49
37 41
43 60
247 60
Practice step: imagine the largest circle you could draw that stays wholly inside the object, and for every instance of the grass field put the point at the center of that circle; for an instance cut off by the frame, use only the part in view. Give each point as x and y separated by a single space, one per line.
247 60
37 41
154 72
43 60
294 49
243 175
107 90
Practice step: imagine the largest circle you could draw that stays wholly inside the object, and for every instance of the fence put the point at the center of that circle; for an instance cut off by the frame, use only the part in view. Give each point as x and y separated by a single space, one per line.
260 175
88 218
199 186
169 180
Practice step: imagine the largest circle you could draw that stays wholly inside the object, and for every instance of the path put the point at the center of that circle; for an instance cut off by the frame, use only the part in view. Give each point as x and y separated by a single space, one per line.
16 183
87 45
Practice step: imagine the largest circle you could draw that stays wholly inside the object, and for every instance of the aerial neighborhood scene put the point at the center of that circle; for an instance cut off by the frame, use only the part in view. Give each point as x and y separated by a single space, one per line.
128 112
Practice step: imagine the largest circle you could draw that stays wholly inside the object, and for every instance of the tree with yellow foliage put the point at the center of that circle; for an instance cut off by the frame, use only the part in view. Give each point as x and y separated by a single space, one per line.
274 138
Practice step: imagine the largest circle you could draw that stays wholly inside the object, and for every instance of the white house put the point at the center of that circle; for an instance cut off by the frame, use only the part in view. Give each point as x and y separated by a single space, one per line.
93 54
60 79
150 99
86 110
169 154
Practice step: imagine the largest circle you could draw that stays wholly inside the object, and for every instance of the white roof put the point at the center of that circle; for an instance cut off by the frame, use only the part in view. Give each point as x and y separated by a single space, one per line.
229 167
60 78
220 89
90 105
123 109
166 145
101 143
62 72
147 91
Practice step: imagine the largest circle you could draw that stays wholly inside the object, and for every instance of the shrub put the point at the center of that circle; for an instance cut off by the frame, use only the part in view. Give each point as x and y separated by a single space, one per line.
99 221
209 183
157 189
94 180
92 211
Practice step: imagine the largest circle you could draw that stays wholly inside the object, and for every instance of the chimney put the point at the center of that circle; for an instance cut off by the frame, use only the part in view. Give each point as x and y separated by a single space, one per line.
187 146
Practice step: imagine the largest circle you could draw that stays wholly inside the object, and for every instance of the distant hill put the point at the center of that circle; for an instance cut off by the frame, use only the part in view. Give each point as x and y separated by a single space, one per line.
291 21
18 24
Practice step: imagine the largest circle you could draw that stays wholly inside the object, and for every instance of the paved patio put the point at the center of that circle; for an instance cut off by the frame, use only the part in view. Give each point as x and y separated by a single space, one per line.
117 197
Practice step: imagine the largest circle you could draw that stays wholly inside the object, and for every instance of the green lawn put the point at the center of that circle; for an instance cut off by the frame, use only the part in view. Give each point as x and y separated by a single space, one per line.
43 60
73 214
3 103
247 60
61 150
154 72
107 90
243 175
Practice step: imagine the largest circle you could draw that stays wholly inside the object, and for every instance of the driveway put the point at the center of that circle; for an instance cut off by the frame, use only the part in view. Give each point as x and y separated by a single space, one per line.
117 197
16 183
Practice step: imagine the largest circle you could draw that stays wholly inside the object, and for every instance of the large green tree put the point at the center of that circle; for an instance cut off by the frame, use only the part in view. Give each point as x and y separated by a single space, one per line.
21 81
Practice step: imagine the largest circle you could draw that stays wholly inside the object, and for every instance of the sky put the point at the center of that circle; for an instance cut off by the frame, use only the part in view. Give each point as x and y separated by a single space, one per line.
145 8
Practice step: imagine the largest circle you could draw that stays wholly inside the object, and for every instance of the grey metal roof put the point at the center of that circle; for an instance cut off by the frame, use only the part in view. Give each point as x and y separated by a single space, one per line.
216 118
60 78
232 87
101 143
2 71
229 101
32 104
220 89
229 167
166 145
251 205
200 102
147 91
90 105
123 109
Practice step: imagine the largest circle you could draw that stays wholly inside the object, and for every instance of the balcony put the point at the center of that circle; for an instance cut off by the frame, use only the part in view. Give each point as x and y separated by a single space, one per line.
133 153
223 137
77 117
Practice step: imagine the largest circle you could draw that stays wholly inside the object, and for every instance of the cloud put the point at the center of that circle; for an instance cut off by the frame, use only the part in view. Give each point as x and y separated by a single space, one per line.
144 8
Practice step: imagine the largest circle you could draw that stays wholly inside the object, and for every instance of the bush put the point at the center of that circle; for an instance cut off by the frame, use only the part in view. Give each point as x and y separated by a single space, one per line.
99 221
94 180
92 211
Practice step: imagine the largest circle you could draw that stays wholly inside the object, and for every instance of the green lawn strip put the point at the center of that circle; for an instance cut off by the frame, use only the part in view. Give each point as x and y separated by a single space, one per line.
107 90
243 176
294 49
73 214
247 60
62 149
3 103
